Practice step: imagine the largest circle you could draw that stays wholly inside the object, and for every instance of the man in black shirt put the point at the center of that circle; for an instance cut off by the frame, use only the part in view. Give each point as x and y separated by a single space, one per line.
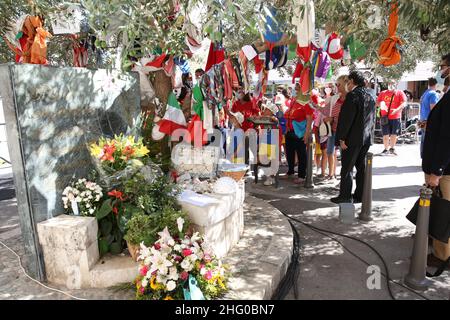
355 136
436 150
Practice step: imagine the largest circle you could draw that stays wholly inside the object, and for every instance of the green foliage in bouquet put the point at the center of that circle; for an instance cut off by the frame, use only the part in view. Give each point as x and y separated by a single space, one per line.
150 198
137 197
144 228
111 223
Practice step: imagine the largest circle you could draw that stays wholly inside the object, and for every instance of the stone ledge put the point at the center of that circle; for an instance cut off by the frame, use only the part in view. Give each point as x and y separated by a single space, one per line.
66 232
260 260
111 270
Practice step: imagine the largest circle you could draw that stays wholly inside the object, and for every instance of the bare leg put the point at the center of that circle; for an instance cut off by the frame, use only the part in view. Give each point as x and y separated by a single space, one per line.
324 161
386 142
393 141
331 162
317 162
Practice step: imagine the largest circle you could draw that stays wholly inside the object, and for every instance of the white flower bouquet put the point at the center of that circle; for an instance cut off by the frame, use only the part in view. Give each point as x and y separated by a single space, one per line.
180 267
82 198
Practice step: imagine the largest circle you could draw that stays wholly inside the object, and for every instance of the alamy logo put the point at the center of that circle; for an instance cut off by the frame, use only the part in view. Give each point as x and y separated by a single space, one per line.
374 280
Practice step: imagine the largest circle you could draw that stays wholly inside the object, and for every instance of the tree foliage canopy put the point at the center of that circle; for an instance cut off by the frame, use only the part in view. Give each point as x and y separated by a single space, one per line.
139 27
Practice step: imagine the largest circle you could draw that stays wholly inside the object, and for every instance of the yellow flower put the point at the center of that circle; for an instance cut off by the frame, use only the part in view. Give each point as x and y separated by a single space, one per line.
221 284
168 298
129 141
141 151
153 283
96 150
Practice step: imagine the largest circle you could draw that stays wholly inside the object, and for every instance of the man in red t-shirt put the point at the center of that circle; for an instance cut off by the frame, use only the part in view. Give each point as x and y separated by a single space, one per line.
391 103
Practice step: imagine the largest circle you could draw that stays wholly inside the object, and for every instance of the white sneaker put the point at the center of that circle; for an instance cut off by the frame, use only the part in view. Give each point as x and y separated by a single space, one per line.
269 181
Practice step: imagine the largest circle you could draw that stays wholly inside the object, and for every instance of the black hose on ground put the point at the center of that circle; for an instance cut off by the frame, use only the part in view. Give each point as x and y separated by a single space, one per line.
323 232
292 272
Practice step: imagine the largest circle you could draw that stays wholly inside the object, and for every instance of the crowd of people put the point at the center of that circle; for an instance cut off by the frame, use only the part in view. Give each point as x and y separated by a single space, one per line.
339 119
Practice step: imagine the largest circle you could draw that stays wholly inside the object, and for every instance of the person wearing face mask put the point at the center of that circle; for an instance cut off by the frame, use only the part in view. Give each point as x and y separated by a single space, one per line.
436 153
335 103
442 75
354 134
391 102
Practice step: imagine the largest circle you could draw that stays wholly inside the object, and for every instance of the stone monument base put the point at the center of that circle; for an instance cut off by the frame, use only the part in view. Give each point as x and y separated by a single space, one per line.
220 218
71 255
70 248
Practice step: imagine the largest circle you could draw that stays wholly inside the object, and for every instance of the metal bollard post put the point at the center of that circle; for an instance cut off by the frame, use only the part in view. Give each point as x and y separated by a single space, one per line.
309 164
417 269
366 206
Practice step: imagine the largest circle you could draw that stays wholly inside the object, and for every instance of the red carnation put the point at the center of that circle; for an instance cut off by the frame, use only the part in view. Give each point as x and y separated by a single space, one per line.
186 252
184 275
143 270
157 246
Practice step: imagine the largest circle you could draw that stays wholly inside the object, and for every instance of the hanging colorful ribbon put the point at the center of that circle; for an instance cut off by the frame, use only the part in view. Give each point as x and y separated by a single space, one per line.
80 52
321 63
333 47
303 68
389 50
39 46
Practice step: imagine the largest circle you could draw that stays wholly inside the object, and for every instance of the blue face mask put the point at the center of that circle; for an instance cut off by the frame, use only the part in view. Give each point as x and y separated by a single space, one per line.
440 80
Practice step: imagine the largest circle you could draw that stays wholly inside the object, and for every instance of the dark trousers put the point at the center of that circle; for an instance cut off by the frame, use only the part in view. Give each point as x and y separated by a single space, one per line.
354 156
295 145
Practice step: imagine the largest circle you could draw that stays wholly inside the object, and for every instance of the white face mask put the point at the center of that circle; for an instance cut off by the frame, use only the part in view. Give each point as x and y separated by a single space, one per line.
440 78
392 87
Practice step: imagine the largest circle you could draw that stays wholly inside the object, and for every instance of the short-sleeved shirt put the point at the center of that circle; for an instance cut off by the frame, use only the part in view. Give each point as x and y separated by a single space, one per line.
399 98
428 98
336 110
297 112
248 109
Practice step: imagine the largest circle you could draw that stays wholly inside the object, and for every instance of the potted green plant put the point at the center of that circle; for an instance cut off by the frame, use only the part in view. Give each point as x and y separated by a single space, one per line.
145 227
140 228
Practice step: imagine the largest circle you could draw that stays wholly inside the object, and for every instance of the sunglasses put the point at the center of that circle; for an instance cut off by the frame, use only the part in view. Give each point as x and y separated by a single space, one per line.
442 66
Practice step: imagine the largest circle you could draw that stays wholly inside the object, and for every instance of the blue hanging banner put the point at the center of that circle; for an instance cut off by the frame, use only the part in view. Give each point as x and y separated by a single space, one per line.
273 31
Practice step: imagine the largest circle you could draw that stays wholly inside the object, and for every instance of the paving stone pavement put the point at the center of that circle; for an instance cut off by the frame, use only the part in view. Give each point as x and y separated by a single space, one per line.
260 259
327 271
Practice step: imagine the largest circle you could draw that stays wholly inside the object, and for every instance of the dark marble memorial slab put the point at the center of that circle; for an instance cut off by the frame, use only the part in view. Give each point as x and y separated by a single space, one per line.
52 115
